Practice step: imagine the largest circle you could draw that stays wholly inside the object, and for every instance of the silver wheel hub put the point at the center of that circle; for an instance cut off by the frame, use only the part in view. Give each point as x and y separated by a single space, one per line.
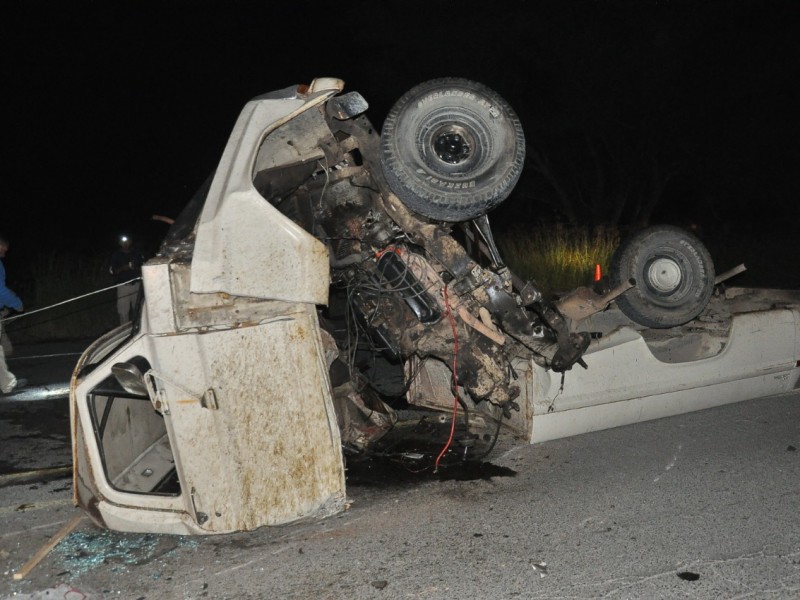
664 275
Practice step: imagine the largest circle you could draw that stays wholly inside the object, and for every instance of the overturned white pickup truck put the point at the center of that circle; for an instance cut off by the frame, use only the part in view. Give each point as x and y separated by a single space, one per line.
329 284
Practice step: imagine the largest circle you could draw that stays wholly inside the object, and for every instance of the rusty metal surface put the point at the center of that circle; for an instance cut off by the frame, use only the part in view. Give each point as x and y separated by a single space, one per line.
583 302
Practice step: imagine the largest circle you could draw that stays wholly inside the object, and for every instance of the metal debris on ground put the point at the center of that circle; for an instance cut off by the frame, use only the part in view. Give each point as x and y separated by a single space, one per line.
540 568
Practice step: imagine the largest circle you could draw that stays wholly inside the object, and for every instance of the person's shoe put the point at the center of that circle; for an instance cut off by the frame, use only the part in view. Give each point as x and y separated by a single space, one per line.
20 383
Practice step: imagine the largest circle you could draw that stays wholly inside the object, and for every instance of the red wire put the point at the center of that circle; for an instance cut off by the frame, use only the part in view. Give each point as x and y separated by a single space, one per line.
455 380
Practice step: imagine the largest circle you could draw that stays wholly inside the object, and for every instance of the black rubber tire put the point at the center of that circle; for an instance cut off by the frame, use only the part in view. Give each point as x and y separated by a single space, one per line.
452 149
674 276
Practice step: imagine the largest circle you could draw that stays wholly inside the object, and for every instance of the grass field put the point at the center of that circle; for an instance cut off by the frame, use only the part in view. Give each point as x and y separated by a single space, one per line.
558 258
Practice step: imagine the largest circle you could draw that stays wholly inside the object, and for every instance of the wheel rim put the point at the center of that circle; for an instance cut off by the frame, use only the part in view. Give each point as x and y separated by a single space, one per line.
451 145
664 275
454 149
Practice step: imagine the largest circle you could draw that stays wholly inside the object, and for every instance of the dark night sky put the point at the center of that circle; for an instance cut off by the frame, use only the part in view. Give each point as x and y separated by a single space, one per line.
117 110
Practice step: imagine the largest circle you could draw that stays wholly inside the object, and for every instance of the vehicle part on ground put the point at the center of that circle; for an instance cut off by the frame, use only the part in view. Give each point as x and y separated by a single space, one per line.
674 276
452 149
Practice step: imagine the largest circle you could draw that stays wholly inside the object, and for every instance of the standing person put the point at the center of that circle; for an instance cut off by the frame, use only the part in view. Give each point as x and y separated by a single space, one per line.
5 342
8 383
126 267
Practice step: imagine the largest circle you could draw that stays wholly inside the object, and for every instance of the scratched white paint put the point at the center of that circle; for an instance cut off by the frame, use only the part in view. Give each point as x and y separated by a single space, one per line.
626 384
245 246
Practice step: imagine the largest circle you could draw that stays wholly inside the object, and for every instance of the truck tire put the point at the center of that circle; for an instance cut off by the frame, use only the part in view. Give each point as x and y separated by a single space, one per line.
452 149
674 276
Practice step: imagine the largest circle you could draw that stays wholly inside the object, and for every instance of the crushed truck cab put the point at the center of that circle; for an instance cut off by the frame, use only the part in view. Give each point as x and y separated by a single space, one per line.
330 283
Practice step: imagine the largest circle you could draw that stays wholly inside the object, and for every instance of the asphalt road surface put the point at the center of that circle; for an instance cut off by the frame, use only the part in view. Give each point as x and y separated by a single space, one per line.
698 506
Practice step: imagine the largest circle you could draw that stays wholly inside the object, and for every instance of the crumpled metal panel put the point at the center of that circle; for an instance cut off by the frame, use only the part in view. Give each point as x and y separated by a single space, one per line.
626 383
244 246
266 451
270 451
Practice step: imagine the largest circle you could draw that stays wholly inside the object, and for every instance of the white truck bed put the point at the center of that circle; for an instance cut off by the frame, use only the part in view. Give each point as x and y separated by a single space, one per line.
745 345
